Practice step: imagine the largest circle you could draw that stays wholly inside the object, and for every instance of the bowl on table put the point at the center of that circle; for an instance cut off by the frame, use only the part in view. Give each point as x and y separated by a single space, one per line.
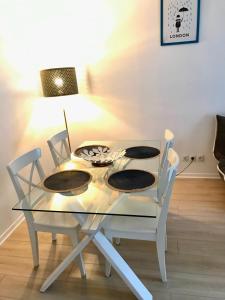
99 155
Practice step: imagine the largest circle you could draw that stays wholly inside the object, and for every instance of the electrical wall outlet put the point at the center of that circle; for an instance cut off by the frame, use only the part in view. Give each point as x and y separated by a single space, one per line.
201 158
194 158
186 158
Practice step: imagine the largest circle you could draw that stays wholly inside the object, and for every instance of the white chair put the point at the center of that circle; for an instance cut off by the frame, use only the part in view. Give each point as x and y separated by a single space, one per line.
169 143
40 221
59 147
156 191
149 229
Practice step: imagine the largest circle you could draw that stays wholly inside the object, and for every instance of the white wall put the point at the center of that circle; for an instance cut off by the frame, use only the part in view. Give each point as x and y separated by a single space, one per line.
179 87
138 87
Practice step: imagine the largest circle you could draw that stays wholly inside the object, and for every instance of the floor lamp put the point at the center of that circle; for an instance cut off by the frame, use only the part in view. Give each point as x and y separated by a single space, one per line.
59 82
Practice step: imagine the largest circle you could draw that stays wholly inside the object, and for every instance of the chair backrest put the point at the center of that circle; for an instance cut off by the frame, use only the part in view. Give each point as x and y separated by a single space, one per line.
173 162
169 143
219 144
59 148
26 182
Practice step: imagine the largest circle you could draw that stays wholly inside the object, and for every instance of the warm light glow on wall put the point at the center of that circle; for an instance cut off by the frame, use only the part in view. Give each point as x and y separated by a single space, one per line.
43 34
48 113
81 109
47 34
45 114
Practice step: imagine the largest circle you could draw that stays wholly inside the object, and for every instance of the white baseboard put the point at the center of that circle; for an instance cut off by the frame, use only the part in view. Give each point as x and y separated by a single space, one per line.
11 228
200 175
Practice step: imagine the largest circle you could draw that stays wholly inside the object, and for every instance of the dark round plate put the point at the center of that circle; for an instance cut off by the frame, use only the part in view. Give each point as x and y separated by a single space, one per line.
141 152
131 180
68 181
80 150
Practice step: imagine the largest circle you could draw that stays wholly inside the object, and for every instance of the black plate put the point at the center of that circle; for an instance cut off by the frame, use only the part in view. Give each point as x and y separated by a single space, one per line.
131 180
80 150
141 152
75 181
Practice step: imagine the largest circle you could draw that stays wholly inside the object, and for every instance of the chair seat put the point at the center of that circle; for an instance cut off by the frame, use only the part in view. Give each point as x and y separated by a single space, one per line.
132 225
152 192
63 220
135 204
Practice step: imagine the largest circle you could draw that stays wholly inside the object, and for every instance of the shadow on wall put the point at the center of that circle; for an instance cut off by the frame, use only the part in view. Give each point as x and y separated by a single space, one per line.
117 93
91 119
22 117
204 129
143 87
15 109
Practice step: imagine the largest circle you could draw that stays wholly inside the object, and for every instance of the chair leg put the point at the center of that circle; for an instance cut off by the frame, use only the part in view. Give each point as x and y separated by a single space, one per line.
160 245
53 237
79 259
34 246
166 244
108 266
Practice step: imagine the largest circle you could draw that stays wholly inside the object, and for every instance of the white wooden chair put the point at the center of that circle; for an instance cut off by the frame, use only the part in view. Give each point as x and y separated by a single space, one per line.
169 143
59 147
149 229
40 221
156 191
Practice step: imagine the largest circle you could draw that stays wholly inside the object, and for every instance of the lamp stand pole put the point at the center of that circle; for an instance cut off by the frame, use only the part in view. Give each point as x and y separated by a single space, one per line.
64 113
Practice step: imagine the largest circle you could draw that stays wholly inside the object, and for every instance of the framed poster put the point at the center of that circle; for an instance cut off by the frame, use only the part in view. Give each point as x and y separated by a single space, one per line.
179 21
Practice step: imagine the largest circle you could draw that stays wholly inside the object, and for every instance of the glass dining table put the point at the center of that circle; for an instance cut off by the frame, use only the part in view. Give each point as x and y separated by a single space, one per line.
97 204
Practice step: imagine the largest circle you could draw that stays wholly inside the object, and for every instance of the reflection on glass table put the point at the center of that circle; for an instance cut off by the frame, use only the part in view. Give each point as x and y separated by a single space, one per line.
99 198
98 204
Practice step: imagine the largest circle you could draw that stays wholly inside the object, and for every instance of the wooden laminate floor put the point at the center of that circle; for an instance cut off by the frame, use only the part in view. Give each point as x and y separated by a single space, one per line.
195 258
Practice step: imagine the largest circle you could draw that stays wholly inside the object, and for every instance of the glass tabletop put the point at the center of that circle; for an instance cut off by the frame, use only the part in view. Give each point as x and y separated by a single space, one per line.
100 198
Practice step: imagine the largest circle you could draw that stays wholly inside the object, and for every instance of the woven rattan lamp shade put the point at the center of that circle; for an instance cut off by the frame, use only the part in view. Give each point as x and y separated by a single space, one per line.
59 82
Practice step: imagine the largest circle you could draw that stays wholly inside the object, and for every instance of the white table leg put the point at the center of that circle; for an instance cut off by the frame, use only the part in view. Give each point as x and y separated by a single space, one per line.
121 267
110 253
64 264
